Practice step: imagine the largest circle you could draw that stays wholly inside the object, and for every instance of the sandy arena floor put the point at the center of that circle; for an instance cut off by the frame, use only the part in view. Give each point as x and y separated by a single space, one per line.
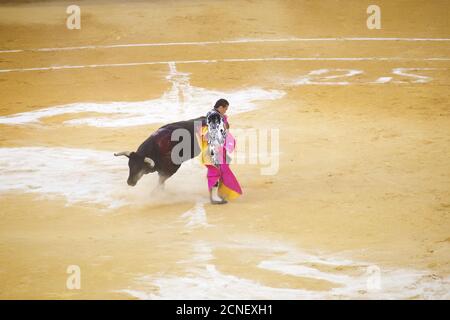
359 206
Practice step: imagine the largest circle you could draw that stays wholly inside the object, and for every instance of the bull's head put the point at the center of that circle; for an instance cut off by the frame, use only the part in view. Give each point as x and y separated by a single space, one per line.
138 164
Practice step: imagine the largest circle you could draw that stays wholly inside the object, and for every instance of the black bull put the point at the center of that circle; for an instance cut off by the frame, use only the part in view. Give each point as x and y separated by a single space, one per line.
156 153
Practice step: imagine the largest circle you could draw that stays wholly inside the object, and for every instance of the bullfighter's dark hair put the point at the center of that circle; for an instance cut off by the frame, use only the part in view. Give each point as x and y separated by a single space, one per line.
221 103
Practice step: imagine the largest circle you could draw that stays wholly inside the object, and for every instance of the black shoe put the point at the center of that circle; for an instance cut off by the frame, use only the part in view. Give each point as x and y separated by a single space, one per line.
223 201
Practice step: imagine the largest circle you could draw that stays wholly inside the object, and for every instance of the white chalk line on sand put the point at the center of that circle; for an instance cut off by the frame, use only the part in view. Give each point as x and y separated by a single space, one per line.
202 278
196 217
181 101
237 41
131 64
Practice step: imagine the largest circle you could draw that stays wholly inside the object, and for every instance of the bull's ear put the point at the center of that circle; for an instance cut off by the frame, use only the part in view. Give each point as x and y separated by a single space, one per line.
123 153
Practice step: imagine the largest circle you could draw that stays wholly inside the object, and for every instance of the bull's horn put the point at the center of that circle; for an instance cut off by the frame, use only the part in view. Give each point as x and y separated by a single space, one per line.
149 161
123 153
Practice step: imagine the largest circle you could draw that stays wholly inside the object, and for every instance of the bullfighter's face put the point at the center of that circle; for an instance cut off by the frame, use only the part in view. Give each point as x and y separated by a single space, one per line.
138 167
222 109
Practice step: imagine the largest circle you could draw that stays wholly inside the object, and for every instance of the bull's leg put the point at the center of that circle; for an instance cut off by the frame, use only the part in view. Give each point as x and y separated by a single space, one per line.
161 179
166 174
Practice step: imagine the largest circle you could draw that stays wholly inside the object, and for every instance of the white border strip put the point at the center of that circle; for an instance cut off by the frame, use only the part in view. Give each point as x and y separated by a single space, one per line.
130 64
203 43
